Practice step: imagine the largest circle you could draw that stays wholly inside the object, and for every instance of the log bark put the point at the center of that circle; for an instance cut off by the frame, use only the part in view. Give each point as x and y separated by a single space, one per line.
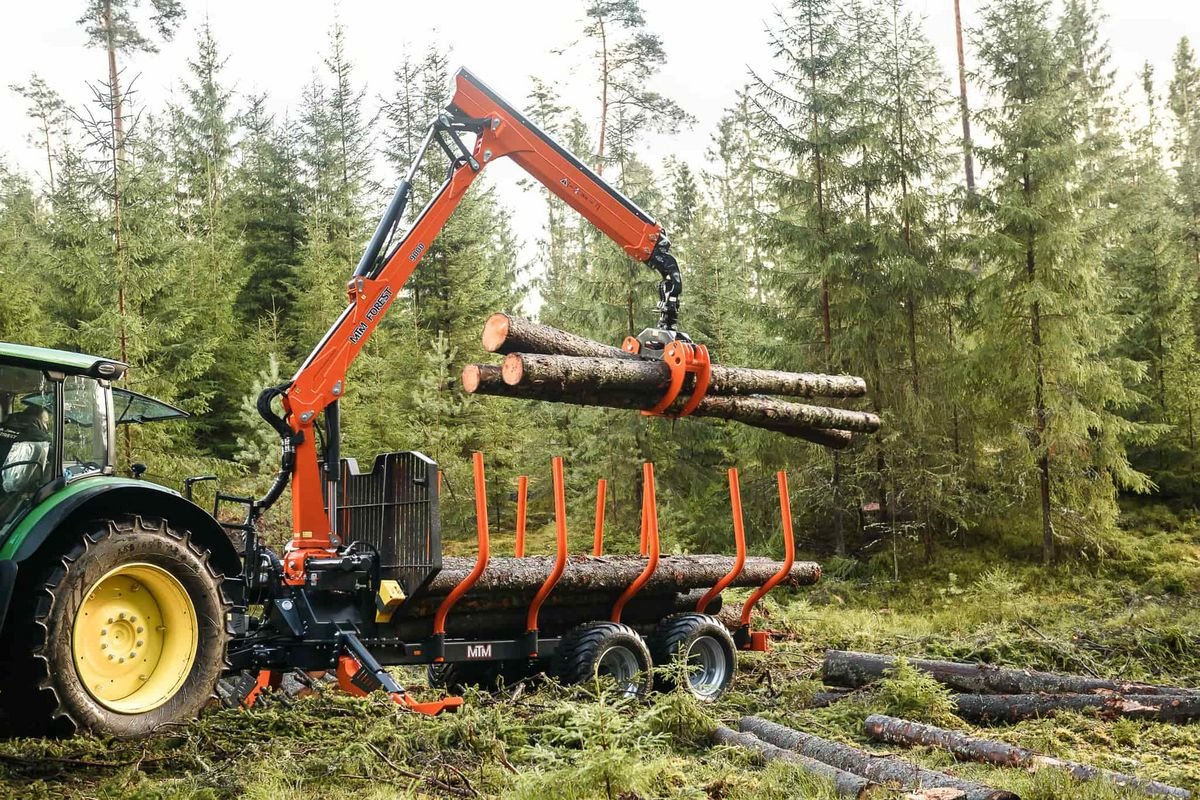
851 669
845 784
883 728
874 766
647 379
760 412
675 573
988 708
553 343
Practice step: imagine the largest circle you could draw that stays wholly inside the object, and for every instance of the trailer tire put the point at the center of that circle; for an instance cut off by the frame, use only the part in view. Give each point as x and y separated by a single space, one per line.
706 646
455 677
606 650
60 679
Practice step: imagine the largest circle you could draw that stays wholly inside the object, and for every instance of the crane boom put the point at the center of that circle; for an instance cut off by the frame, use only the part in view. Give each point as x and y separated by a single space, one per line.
499 131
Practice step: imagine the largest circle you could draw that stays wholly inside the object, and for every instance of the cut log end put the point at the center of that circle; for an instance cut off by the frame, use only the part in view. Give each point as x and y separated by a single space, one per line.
475 376
495 332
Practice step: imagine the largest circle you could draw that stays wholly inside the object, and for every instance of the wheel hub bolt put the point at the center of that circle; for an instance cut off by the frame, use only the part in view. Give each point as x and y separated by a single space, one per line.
140 643
140 629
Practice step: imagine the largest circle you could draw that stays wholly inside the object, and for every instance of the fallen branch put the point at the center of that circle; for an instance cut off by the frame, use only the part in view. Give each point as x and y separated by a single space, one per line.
845 784
851 669
901 731
1017 707
875 766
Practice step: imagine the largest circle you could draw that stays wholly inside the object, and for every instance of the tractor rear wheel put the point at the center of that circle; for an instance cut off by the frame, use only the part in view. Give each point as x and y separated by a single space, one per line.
606 650
122 634
705 648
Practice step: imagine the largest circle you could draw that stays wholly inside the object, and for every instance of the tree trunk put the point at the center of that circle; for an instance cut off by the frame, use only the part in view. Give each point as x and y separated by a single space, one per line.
1018 707
760 412
901 731
845 784
964 108
506 335
851 669
675 573
874 766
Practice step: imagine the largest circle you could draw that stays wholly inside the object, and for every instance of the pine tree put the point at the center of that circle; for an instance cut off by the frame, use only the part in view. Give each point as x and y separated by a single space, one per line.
1184 100
49 114
1048 311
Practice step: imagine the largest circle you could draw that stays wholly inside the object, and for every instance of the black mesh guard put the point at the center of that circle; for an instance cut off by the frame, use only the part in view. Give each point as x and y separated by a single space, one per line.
394 509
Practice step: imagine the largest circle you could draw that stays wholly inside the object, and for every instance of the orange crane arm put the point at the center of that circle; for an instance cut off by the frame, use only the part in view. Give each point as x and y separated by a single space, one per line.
499 131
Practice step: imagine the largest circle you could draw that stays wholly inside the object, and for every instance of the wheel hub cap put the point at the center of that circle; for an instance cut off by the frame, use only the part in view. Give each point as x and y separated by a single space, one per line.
135 638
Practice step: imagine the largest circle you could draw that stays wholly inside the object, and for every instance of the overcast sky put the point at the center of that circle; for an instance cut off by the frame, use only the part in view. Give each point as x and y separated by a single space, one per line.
274 45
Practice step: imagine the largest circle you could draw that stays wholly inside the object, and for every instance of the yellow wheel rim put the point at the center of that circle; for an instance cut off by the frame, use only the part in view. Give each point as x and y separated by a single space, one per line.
135 638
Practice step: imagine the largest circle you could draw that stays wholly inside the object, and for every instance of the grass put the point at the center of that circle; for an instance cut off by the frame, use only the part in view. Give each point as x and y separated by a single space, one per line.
1133 614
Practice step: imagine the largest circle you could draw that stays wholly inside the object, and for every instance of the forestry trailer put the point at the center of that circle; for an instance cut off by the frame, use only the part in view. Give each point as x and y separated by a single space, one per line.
125 606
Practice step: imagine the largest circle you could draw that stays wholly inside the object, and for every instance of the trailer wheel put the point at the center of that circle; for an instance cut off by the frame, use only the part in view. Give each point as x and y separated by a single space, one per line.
456 676
606 650
123 633
706 647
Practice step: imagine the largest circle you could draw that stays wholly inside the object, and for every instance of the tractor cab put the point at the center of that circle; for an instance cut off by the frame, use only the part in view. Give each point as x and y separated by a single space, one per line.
58 417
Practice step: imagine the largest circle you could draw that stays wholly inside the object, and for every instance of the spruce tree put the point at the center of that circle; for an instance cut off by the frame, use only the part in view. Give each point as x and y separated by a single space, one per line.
1048 306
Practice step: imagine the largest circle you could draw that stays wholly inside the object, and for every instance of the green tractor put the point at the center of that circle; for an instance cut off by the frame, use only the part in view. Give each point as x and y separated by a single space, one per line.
113 596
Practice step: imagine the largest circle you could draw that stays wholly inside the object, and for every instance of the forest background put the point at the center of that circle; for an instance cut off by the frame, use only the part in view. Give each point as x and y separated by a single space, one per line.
1022 297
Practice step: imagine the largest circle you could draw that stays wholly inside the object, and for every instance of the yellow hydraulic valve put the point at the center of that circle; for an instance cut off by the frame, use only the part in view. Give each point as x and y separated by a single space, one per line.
388 600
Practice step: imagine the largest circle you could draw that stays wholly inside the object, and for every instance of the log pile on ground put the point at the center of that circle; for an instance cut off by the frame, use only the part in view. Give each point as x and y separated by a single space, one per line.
892 730
990 694
548 364
877 768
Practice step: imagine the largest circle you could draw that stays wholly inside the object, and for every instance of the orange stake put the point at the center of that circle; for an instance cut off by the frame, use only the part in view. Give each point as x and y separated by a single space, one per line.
789 556
522 490
598 537
650 527
481 561
560 560
739 538
642 545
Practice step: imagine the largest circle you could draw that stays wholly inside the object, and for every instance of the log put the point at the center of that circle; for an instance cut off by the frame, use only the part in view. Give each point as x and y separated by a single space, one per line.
508 335
504 334
553 620
845 784
874 766
883 728
646 380
1017 707
759 412
676 573
851 669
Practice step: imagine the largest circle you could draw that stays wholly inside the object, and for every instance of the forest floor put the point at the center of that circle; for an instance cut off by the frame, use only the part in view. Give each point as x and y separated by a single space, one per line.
1135 614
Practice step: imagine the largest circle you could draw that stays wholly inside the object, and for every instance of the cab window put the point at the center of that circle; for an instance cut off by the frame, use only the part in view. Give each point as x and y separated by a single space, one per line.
85 427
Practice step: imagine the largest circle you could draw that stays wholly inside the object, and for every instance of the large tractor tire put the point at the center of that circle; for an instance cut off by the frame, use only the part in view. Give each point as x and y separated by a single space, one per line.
606 650
122 634
705 648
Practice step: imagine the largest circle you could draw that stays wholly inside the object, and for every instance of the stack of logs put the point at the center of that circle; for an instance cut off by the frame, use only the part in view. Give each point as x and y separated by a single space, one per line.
987 695
545 363
586 591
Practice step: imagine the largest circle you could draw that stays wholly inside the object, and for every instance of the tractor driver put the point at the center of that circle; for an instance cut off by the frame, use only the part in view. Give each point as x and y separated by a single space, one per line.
25 441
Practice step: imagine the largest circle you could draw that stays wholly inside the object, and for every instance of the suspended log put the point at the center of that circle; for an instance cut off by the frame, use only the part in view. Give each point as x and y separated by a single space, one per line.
901 731
760 412
845 784
503 334
476 616
847 668
1017 707
874 766
511 335
675 573
647 379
